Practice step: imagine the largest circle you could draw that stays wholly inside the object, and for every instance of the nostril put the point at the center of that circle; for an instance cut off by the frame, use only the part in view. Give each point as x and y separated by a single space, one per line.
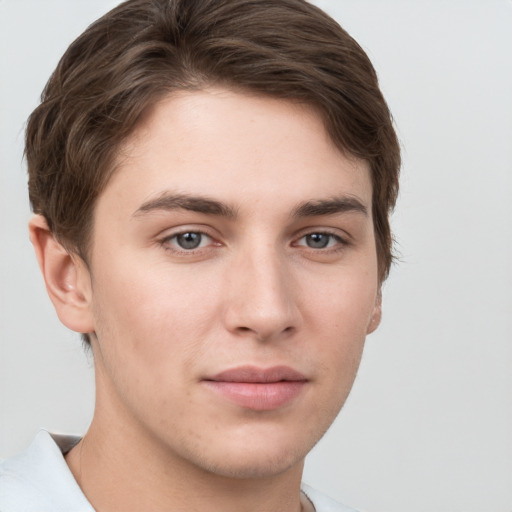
261 334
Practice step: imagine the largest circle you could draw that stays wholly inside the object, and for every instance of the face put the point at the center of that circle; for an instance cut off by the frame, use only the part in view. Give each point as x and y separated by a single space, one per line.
233 280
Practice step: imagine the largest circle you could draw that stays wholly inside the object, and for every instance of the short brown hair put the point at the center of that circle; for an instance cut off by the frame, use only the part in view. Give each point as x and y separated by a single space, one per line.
145 49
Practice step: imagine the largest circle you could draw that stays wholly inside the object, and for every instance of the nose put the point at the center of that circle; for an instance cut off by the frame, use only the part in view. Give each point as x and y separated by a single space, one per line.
261 297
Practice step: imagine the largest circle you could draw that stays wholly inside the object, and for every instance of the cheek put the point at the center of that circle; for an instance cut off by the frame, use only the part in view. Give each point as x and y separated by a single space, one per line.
147 312
344 304
338 318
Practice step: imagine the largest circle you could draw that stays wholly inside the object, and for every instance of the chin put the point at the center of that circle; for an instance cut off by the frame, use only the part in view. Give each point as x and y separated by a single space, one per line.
262 454
249 465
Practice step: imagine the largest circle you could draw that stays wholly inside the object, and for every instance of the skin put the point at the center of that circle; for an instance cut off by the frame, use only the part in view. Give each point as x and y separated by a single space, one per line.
258 290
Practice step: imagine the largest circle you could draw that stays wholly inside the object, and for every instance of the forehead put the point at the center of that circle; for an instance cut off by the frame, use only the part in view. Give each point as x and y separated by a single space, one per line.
243 149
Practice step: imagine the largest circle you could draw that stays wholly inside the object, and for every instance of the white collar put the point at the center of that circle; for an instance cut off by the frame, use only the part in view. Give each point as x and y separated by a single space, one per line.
39 479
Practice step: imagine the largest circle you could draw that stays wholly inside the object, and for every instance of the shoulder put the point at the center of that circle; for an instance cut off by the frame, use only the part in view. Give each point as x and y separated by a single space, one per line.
323 503
38 479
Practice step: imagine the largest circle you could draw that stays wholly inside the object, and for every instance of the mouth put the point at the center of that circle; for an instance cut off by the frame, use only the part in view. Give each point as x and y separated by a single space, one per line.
256 388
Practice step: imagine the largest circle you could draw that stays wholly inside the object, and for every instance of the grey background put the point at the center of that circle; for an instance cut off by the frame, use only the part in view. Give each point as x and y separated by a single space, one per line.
429 423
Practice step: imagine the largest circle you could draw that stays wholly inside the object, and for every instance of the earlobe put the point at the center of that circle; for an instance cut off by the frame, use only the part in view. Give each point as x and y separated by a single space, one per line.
376 314
66 277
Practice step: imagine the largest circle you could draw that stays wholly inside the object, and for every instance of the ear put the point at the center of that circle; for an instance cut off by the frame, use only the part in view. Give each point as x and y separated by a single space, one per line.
66 277
376 314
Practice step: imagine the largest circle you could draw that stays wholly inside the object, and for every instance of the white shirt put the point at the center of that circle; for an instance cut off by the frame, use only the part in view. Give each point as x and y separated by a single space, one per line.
39 480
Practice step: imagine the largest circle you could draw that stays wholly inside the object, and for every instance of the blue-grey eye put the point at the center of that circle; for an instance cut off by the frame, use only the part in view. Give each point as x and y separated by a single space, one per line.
318 240
190 240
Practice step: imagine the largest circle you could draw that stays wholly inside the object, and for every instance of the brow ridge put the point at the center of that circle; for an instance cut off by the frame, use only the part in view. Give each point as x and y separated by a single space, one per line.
203 204
200 204
331 206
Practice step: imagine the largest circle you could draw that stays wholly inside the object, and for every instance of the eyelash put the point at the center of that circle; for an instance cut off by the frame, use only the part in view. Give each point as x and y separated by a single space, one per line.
166 242
340 243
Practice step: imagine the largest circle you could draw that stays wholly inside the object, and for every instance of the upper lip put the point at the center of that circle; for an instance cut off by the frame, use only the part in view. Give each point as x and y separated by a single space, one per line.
255 374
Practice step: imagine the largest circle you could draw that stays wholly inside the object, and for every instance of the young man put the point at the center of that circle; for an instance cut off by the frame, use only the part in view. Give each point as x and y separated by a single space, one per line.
211 182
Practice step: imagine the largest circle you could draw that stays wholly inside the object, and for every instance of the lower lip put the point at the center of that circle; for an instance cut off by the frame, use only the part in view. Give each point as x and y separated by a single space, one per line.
259 396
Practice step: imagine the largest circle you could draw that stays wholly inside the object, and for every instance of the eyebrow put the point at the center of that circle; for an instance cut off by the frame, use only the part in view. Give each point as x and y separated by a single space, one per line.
343 204
201 204
186 202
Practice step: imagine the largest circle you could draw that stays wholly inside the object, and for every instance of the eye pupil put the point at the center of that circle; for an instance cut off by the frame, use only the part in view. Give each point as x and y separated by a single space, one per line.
317 240
189 240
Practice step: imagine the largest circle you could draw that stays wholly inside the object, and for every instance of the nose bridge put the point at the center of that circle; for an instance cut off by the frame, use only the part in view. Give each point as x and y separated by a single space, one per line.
261 297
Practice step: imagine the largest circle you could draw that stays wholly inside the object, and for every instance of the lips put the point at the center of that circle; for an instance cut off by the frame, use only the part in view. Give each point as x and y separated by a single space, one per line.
256 388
